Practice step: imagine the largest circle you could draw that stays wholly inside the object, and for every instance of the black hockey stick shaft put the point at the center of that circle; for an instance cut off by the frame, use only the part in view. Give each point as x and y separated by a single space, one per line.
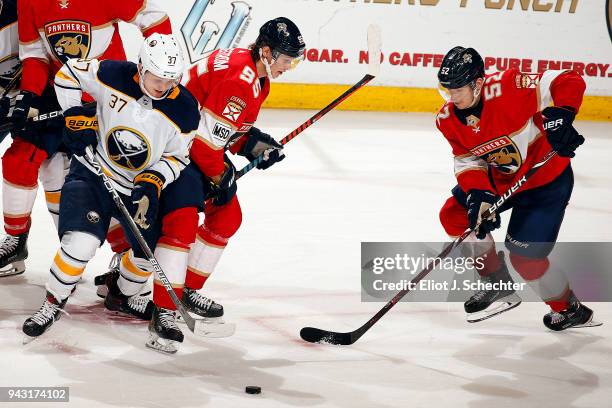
39 118
189 321
315 335
313 119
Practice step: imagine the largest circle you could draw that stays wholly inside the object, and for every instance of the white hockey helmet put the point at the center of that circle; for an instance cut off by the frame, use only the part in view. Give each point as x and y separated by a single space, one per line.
161 55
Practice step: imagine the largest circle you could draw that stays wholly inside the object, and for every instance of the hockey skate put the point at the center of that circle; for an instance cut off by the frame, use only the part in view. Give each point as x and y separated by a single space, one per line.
576 316
137 306
485 304
164 334
48 313
13 252
113 267
209 314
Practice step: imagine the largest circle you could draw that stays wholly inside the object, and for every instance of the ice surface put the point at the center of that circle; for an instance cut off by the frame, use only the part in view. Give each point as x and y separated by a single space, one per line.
351 177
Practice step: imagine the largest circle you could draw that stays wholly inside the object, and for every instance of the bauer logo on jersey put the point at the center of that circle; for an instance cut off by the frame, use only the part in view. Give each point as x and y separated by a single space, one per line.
500 153
127 148
69 39
232 110
528 81
221 132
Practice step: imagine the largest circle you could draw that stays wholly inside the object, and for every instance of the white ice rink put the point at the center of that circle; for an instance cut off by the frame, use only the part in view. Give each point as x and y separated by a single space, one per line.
295 262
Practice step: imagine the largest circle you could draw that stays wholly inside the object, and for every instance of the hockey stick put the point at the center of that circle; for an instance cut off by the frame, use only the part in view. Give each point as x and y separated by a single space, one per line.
39 118
314 335
197 327
374 46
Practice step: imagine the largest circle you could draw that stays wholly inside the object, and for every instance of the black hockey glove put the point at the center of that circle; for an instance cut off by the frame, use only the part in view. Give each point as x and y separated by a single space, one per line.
225 190
478 201
559 130
147 189
80 130
259 143
19 108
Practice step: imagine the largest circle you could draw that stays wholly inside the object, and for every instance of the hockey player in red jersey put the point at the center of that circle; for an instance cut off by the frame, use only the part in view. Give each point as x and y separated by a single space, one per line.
51 32
230 85
499 126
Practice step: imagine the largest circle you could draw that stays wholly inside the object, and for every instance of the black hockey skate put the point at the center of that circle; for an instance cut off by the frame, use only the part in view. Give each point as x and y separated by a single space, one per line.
49 312
113 268
13 252
485 304
164 334
576 315
137 306
201 305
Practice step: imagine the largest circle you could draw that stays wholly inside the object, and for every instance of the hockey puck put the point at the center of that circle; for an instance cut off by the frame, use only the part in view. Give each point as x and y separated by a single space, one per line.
252 389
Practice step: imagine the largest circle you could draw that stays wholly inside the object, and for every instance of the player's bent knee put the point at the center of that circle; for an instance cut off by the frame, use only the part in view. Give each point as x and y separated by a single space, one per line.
180 226
529 268
80 246
453 217
21 162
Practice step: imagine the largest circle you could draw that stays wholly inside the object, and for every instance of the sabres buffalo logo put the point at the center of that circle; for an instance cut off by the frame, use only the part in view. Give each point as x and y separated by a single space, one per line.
500 153
127 148
69 39
9 67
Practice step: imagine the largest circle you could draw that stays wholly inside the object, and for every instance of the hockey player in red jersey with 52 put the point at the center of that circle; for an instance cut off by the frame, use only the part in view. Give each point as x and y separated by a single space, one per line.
499 126
51 32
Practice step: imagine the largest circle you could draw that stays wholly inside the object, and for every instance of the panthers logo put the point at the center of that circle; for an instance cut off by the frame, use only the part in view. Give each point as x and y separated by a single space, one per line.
500 153
127 148
69 39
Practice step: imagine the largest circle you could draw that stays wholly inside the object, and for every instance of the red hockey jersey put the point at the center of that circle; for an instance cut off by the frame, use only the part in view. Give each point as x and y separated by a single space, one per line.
52 31
508 138
230 94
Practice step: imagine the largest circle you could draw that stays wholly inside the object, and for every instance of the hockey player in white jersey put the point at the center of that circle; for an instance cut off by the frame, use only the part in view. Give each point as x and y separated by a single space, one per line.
145 123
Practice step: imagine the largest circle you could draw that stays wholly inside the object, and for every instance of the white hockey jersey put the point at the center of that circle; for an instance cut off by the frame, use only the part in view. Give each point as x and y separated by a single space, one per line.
135 132
9 44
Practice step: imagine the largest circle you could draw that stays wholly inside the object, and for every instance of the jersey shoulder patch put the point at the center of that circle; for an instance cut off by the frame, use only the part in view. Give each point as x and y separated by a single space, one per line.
119 75
181 108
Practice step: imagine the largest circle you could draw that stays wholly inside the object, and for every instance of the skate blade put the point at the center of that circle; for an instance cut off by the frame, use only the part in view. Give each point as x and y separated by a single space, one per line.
499 307
160 345
27 339
12 269
213 330
590 323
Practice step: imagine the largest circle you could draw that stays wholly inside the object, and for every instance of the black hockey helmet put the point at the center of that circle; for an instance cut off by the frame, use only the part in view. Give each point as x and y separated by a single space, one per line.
460 67
282 36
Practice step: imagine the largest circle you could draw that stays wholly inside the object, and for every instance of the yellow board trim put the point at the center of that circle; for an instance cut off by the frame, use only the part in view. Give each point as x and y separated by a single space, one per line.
393 99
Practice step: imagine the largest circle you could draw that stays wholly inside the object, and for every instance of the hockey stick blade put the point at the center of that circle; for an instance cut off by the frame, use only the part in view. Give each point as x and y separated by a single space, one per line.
374 49
314 335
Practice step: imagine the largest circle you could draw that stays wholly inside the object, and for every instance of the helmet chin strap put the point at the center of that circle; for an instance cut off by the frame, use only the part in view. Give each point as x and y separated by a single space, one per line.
267 65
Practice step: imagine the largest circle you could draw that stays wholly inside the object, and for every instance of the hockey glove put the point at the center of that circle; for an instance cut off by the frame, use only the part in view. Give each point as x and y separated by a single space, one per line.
80 130
559 130
147 189
478 201
19 108
225 189
260 143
